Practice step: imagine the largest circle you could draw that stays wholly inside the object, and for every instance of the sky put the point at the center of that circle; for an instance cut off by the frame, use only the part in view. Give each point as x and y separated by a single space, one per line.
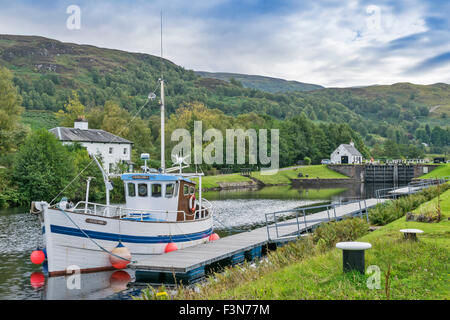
331 43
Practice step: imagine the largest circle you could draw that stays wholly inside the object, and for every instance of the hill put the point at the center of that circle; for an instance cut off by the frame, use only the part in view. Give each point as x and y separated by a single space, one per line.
435 97
260 82
46 71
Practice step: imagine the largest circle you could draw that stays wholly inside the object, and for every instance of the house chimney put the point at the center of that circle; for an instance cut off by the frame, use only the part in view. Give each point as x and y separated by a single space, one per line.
81 123
352 143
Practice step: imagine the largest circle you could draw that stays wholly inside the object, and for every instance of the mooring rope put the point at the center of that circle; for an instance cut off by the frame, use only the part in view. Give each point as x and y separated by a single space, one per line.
98 245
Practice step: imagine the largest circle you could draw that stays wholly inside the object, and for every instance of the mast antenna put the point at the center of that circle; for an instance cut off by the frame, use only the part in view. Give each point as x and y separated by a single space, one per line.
163 164
162 61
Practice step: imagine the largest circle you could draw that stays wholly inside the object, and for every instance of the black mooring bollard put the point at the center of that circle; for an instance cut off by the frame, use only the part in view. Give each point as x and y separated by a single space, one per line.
353 255
353 260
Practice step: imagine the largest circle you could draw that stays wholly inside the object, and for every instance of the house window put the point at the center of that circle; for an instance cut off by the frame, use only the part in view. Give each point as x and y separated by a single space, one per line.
124 150
110 150
110 167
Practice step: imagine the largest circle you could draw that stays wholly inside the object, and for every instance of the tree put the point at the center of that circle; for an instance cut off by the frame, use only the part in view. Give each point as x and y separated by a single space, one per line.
235 82
391 149
114 119
84 165
73 109
421 135
307 160
10 111
43 167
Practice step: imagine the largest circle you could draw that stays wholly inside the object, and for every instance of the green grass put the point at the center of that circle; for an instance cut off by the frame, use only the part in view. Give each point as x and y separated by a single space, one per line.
418 270
38 119
440 172
285 176
213 181
281 177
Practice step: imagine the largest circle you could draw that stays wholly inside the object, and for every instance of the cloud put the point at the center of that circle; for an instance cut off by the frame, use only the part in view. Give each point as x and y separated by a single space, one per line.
332 43
432 63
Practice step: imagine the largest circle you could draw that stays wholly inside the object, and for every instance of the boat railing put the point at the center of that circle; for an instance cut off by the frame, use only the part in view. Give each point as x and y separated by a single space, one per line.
120 212
204 211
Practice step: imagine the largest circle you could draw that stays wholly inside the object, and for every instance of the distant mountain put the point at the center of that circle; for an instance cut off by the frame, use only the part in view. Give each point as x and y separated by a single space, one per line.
262 83
434 97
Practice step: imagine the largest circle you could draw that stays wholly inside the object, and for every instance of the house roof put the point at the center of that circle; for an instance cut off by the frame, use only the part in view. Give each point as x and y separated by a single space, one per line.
89 135
351 149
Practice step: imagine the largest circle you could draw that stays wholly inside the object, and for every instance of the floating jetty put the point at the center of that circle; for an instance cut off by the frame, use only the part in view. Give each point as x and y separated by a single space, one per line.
411 188
192 263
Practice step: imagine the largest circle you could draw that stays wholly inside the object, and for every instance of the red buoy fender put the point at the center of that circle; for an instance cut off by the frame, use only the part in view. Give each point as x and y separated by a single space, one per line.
37 256
192 203
213 237
120 252
171 246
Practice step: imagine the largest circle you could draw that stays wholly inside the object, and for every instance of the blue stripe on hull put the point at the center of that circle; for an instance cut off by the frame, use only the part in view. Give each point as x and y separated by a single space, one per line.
128 238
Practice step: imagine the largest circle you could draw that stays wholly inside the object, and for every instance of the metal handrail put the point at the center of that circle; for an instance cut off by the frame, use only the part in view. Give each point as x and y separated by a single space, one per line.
307 223
105 210
413 186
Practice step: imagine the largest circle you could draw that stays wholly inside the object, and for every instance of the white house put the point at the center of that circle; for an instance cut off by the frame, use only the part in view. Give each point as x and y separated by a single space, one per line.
112 148
346 153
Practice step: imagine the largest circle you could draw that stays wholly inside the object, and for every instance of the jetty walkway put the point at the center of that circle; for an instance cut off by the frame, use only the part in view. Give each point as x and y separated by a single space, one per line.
190 263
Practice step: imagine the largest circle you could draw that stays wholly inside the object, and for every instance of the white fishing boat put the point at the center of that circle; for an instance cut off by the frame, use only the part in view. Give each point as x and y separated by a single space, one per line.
161 214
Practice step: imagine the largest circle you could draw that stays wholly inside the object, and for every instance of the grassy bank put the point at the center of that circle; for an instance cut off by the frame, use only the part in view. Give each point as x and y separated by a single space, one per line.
439 172
209 182
312 268
285 175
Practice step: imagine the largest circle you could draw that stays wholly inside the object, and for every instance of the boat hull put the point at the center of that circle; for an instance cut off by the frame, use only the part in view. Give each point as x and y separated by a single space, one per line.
78 241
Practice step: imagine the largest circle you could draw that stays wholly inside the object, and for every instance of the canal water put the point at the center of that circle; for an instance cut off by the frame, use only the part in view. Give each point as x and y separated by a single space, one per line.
235 210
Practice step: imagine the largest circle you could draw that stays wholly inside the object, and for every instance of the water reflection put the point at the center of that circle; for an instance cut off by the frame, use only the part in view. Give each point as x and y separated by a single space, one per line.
91 286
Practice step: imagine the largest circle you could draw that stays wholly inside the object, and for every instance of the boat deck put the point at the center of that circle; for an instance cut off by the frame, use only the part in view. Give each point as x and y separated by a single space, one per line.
246 244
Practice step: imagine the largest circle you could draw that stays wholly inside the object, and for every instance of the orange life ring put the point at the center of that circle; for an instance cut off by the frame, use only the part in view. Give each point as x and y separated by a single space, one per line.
192 203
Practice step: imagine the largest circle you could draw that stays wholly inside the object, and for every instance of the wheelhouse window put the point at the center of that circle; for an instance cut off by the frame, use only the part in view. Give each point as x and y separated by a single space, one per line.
131 189
170 188
142 190
156 190
186 190
191 190
175 193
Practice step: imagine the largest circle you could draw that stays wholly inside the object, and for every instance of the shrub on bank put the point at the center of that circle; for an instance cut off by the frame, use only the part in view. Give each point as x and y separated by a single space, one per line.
329 233
8 194
390 211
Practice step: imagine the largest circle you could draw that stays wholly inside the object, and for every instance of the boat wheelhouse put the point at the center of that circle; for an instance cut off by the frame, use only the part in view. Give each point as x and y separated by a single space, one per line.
172 197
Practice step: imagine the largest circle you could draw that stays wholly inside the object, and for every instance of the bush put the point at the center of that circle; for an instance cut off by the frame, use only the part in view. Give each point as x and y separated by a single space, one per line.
42 167
387 212
307 160
330 233
8 193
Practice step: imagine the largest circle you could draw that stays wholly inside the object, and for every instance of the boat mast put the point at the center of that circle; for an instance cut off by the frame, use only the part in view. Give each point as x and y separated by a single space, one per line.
163 163
163 166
